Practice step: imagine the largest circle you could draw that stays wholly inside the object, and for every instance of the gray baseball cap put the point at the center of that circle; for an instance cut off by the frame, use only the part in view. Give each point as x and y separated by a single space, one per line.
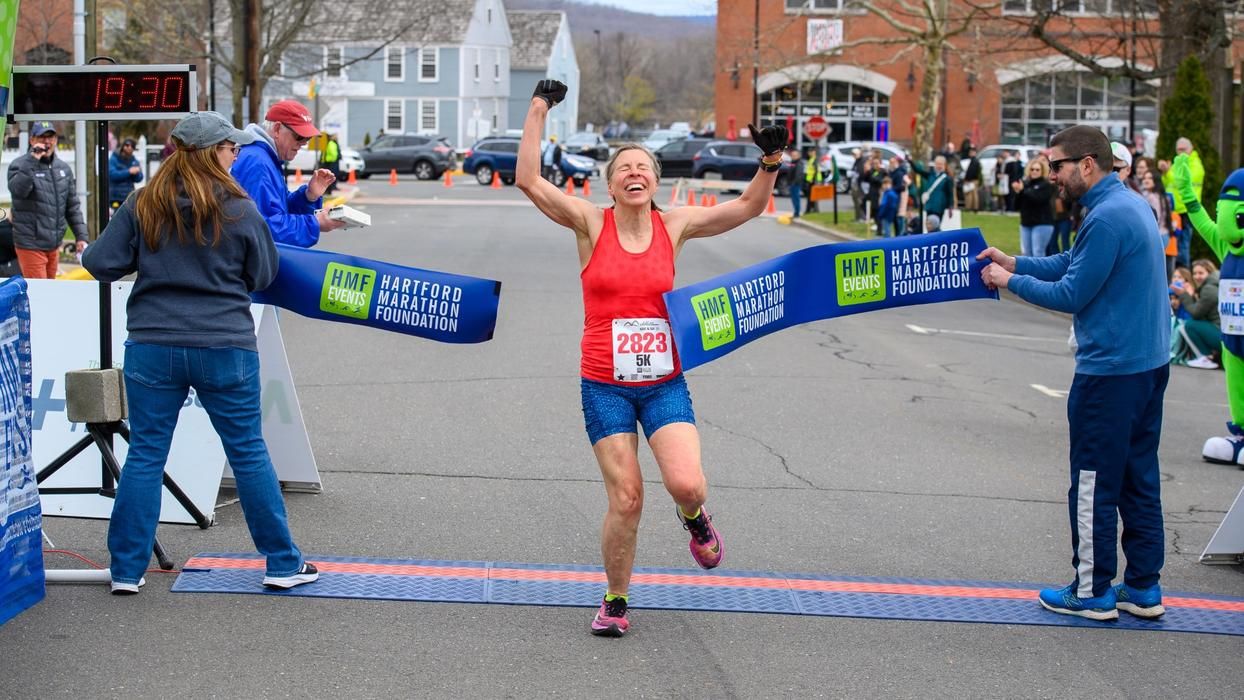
203 129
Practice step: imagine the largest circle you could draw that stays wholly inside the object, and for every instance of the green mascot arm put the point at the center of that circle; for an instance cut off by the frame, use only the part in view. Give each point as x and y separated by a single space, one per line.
1201 220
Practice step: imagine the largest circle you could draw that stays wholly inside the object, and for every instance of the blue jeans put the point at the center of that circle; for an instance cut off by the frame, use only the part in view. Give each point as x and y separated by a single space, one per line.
157 382
1034 239
1183 243
887 227
1060 242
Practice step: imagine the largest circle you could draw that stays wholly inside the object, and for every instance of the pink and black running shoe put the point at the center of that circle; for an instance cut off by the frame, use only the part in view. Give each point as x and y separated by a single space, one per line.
611 619
706 546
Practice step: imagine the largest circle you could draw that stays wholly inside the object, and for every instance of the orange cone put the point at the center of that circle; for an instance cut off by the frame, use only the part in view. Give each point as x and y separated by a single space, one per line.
704 199
353 179
449 178
772 208
393 176
496 180
570 186
690 198
297 176
712 200
673 196
587 188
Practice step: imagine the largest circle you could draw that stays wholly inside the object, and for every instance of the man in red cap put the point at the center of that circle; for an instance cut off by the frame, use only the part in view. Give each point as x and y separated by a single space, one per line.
293 217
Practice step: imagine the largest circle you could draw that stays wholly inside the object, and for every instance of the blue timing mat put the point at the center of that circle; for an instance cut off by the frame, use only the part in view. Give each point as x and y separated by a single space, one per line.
692 589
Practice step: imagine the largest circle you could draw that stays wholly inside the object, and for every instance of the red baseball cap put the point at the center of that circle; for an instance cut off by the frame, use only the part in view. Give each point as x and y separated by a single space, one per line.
293 114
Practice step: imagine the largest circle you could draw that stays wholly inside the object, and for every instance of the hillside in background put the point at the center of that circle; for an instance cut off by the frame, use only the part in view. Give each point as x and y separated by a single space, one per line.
585 19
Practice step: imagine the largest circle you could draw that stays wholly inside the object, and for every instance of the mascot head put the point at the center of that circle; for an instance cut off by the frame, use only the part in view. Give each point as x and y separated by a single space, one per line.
1231 212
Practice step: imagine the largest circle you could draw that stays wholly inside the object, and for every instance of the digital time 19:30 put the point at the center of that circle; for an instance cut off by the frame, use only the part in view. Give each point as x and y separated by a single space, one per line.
141 92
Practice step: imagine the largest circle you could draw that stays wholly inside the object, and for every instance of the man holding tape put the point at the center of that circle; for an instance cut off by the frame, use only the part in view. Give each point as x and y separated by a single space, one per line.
1114 282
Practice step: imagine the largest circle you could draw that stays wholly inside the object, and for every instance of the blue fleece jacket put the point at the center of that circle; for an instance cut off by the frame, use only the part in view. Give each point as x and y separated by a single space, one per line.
120 179
1113 280
887 210
261 173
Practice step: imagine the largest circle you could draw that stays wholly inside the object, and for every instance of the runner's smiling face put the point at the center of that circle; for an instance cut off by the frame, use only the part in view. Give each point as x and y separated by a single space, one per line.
632 178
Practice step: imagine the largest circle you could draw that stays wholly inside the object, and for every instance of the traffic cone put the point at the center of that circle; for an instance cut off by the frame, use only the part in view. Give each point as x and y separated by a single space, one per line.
496 180
353 179
673 196
587 188
691 198
712 200
297 176
393 176
772 208
570 186
704 199
449 178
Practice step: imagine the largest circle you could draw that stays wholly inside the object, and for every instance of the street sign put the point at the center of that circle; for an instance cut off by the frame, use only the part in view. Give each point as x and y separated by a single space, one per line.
104 92
816 128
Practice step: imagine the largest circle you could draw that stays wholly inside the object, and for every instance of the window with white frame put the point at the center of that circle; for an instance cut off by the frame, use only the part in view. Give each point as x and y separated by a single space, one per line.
334 57
395 116
427 116
816 5
1081 7
429 65
394 64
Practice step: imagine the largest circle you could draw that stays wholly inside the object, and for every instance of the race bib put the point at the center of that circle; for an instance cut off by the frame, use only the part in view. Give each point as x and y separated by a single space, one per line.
1231 306
642 349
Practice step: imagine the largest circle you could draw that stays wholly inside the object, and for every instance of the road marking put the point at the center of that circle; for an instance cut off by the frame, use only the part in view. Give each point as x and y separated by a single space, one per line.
408 201
1055 393
1003 336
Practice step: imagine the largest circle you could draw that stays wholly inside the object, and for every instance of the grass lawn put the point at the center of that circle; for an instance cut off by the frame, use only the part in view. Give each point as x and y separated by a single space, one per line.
999 230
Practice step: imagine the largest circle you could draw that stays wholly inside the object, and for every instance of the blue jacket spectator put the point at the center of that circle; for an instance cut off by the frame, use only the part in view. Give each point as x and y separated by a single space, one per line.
887 210
124 172
260 170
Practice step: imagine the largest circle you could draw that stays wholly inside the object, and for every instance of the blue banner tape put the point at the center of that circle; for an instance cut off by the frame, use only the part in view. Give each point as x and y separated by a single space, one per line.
347 289
717 316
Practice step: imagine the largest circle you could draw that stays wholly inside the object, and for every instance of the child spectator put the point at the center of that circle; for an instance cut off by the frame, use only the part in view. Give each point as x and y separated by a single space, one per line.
887 210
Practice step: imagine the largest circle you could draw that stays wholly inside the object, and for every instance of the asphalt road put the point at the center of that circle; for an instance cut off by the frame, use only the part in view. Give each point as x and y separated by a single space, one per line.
854 446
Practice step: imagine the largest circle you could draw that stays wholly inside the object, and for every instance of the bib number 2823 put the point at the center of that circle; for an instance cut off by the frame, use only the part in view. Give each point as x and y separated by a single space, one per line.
642 349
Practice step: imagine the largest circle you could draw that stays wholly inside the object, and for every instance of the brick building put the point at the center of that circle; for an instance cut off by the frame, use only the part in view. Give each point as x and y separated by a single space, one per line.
999 86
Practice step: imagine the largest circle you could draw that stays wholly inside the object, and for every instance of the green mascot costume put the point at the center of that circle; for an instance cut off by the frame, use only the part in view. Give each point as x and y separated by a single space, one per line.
1226 239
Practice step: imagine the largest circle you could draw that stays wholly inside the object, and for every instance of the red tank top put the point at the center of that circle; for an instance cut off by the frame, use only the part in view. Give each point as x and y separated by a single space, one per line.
624 318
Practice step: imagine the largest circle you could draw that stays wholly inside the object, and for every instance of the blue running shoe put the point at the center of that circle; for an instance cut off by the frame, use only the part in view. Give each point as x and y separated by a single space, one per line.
1064 601
1141 602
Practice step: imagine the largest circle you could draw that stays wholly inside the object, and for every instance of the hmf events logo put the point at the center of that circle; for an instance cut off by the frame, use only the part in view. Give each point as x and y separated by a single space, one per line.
347 290
861 277
712 308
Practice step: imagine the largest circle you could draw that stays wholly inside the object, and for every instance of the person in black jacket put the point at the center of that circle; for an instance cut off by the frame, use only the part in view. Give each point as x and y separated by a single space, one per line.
1014 171
1036 211
45 203
973 182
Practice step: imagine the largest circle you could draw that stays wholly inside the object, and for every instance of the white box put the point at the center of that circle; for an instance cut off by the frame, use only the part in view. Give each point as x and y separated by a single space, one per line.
353 218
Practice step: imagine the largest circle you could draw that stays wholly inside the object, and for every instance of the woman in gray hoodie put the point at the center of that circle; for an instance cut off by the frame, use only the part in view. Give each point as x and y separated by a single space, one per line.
199 248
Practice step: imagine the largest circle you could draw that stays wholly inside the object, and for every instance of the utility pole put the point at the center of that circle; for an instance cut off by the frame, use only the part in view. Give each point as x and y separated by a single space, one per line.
83 167
254 11
211 55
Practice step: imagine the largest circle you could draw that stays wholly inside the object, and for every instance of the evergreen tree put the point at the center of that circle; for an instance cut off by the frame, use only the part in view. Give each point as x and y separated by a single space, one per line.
1188 113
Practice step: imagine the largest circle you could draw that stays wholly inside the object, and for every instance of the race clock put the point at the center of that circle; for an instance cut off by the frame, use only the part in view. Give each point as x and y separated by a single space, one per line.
103 92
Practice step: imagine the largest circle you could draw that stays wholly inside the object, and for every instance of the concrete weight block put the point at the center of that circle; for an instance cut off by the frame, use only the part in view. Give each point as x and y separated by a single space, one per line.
94 396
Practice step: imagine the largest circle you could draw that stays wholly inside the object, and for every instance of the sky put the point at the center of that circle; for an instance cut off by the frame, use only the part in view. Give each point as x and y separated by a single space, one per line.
662 7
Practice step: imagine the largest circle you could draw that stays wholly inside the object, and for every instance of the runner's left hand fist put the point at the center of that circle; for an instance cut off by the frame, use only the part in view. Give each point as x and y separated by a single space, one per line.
771 139
551 91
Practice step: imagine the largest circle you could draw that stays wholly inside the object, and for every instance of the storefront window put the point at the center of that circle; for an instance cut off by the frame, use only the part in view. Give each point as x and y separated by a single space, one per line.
1035 108
854 112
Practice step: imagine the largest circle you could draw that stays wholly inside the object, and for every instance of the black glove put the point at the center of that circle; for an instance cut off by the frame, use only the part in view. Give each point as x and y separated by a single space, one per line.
551 91
771 139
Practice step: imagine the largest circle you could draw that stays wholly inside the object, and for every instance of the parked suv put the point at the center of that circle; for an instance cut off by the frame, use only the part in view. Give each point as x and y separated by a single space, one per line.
676 157
427 157
587 143
499 154
734 160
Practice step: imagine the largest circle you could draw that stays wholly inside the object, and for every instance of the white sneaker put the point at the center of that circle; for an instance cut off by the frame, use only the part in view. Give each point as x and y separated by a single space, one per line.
119 588
1202 363
306 574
